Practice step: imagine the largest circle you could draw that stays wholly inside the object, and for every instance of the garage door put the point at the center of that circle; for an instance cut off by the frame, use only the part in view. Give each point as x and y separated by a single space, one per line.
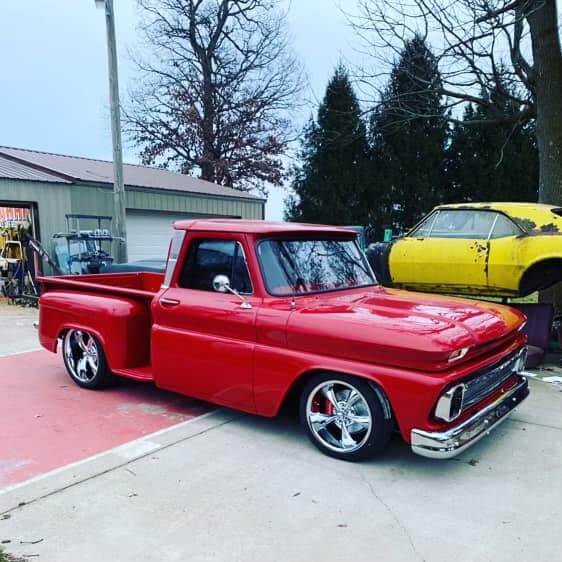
149 233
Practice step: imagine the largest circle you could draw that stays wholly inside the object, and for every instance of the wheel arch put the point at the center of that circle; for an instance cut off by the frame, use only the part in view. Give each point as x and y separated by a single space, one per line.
535 271
295 389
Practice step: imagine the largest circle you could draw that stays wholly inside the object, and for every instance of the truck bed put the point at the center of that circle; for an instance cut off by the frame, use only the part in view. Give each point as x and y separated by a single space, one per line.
139 284
88 302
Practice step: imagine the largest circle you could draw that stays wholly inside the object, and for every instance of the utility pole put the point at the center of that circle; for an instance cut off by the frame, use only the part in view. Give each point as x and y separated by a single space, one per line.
119 224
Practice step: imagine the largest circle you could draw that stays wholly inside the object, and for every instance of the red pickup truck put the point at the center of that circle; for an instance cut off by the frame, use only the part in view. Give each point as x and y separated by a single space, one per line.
250 313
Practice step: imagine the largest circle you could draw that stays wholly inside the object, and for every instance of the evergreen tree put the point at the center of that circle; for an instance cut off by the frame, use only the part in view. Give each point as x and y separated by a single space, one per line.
408 136
493 162
331 182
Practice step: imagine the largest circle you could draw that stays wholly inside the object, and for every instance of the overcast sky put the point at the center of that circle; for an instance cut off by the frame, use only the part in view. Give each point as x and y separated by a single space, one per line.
53 72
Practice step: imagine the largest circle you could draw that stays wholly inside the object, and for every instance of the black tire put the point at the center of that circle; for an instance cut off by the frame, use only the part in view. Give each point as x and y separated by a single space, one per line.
370 439
84 374
540 276
378 256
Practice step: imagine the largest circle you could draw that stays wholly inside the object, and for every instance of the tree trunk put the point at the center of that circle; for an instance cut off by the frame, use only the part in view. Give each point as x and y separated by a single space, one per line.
208 170
547 71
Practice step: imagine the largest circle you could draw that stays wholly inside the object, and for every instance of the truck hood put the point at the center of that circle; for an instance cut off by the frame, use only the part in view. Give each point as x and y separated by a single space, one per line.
397 328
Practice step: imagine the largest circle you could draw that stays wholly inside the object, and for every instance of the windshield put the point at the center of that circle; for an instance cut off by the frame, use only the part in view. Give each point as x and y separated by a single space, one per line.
294 267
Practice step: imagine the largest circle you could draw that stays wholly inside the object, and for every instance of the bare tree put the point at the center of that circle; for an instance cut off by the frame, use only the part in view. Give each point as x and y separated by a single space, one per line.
484 46
215 94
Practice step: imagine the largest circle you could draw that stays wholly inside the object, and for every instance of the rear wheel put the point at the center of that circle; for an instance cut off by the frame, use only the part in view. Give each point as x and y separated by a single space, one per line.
84 360
540 276
343 416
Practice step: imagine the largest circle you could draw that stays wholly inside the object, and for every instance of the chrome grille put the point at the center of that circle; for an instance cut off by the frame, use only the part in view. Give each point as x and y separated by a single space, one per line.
484 382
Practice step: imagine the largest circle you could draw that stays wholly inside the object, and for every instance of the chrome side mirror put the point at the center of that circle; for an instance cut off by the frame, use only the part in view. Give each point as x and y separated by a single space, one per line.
221 284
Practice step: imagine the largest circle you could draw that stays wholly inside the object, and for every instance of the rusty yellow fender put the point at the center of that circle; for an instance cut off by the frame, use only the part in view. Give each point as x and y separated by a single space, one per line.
496 249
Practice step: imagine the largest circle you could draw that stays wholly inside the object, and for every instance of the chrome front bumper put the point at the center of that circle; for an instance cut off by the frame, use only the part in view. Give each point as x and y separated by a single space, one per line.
449 443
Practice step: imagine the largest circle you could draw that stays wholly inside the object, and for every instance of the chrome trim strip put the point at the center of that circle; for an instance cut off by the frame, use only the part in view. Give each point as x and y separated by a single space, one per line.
173 253
492 229
449 443
432 224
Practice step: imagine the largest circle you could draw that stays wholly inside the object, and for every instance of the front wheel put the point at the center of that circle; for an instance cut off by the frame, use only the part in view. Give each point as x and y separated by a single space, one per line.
84 360
343 416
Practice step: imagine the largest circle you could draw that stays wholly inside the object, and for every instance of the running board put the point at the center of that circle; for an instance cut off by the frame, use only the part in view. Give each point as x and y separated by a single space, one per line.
143 374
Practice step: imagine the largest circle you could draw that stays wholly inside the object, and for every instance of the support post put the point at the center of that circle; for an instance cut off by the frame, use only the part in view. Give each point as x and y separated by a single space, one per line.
119 225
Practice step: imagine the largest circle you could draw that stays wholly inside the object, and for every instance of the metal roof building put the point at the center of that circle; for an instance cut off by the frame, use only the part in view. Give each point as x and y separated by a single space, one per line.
53 185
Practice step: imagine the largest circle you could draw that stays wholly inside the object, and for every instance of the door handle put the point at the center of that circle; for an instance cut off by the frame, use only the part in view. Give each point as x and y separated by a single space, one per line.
169 302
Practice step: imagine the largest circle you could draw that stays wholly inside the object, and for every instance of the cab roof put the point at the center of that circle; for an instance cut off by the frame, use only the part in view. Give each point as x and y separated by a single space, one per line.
260 227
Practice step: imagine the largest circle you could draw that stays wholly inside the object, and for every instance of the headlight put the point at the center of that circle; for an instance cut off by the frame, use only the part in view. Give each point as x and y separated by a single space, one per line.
449 406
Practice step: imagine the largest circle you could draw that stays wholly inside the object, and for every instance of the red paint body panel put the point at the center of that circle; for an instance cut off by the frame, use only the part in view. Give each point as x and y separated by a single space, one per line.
412 393
141 285
397 328
262 228
205 345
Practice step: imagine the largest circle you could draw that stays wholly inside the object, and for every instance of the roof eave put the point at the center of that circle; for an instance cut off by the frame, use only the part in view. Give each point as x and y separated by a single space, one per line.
34 166
109 185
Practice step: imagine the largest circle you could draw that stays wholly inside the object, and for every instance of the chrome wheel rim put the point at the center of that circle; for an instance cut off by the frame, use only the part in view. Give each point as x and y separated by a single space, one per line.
82 355
339 416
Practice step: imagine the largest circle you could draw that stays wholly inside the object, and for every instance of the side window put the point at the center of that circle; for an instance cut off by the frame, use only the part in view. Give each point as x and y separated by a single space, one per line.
424 228
208 258
463 224
448 224
504 227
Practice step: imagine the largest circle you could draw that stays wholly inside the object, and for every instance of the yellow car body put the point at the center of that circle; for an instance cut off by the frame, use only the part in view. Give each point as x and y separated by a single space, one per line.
496 249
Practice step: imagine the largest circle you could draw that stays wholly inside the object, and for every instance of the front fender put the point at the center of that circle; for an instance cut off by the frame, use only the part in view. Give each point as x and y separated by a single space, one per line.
412 394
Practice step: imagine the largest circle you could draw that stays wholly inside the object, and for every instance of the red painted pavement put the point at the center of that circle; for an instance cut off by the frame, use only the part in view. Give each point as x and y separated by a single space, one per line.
47 421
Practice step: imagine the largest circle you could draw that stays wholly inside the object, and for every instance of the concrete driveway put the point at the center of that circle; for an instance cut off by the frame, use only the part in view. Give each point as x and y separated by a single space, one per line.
16 329
231 487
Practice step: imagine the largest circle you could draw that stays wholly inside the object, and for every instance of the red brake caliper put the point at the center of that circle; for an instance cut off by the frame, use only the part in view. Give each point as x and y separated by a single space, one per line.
323 405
